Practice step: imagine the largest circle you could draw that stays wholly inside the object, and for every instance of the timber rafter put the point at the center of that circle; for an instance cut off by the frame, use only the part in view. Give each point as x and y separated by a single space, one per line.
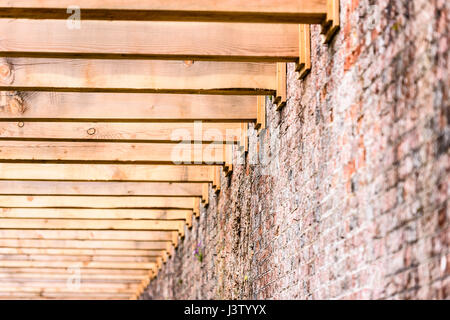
116 118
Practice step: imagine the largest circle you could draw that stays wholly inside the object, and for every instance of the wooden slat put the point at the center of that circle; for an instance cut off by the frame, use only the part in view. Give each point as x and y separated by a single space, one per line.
197 207
104 224
84 244
81 252
63 213
135 235
139 76
97 202
100 188
103 173
53 284
244 138
228 167
332 21
109 152
281 96
66 271
150 40
205 196
64 290
267 11
261 118
70 264
77 259
142 107
68 297
62 296
63 276
304 65
121 132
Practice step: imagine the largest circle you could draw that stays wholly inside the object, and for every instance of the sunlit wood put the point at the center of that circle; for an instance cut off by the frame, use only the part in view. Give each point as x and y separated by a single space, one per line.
141 76
150 40
280 11
99 202
140 107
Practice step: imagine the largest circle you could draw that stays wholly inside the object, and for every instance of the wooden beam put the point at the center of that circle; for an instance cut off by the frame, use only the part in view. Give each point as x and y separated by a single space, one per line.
261 117
140 107
105 173
150 40
70 264
284 11
82 252
62 296
138 76
121 132
54 188
65 213
99 202
205 194
244 139
197 207
216 183
53 284
228 167
115 235
78 259
84 244
188 219
112 153
13 276
103 224
84 271
304 65
64 289
332 21
281 97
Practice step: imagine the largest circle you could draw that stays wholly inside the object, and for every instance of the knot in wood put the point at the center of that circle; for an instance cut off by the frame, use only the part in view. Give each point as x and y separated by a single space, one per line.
6 73
15 105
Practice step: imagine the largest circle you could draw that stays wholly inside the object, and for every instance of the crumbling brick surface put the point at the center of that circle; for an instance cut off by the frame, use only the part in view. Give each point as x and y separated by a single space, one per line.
351 201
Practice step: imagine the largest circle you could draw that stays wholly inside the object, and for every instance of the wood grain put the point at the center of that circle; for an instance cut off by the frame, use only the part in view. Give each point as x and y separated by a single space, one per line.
112 153
63 276
83 244
131 107
266 11
150 236
122 132
77 258
99 202
98 224
150 40
82 252
66 213
87 265
105 172
54 188
141 76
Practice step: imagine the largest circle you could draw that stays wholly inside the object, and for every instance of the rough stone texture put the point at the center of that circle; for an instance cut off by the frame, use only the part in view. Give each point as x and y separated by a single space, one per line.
352 200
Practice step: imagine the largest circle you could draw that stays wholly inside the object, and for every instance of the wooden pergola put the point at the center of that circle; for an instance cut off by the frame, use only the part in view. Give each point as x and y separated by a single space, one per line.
111 133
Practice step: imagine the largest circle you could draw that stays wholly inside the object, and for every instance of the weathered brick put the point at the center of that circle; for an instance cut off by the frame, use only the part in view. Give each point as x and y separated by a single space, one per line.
354 202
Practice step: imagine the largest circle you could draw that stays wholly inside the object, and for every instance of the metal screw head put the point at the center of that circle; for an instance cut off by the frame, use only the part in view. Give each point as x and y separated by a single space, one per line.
20 124
91 131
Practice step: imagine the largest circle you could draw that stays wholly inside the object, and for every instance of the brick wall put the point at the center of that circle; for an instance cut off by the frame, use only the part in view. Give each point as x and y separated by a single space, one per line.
352 200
